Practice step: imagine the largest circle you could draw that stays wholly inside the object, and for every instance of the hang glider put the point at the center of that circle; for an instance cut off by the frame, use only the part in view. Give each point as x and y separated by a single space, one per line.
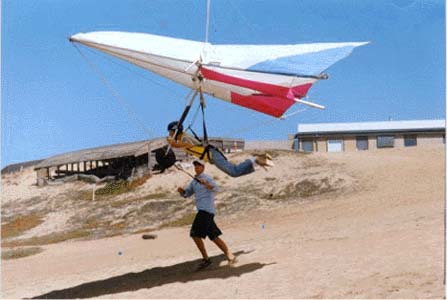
264 78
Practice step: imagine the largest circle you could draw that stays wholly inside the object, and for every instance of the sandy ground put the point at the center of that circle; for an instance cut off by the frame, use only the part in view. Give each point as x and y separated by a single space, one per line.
381 238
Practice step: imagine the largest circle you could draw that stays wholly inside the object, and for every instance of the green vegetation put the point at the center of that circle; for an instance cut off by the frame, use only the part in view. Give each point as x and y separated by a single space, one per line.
19 253
114 188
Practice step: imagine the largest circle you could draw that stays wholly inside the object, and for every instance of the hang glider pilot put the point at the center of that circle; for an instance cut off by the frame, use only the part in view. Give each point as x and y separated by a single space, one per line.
211 154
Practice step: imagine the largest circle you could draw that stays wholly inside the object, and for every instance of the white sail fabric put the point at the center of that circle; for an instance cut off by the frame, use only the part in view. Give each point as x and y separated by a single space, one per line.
235 73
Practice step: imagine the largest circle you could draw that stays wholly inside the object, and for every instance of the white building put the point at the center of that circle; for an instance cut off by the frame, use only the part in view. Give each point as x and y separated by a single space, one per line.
337 137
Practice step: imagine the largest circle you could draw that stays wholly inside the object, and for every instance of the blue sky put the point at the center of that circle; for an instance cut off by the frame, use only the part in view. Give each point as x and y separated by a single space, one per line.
54 102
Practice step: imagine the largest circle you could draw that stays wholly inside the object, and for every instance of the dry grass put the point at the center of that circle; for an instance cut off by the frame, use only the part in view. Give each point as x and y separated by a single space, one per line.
48 239
125 202
20 224
270 178
19 253
183 221
139 181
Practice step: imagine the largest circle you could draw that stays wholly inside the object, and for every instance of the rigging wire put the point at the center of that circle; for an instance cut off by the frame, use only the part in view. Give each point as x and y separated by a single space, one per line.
208 4
124 66
132 114
193 120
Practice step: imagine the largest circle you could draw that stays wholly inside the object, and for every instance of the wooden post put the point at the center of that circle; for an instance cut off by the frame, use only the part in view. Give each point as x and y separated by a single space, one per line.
41 177
149 158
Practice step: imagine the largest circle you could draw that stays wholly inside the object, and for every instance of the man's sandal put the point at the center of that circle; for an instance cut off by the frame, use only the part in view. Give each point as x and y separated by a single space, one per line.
204 264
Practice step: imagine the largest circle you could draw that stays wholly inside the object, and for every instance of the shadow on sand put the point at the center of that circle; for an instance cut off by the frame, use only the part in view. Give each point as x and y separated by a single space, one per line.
183 272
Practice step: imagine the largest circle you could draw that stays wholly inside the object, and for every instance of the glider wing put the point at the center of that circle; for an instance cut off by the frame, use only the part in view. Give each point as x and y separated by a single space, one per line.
265 78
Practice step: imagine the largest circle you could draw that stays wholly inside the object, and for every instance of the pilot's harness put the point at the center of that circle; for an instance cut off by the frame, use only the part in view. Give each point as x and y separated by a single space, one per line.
204 141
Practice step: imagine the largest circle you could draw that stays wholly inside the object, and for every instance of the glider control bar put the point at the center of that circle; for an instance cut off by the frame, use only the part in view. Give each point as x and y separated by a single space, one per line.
309 103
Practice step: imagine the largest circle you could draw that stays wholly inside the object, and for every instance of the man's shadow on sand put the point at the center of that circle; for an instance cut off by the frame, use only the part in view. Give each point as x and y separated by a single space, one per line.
183 272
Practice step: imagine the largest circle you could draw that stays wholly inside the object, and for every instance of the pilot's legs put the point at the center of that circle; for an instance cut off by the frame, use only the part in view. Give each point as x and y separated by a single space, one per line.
234 170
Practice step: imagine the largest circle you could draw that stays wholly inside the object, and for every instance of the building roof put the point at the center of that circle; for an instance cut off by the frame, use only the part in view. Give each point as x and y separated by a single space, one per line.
103 153
19 166
112 151
415 125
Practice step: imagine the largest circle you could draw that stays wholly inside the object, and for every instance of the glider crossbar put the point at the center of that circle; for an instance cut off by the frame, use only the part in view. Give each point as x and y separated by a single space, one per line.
309 103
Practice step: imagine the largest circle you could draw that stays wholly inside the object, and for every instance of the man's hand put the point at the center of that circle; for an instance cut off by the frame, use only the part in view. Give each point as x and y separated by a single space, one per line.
204 183
181 191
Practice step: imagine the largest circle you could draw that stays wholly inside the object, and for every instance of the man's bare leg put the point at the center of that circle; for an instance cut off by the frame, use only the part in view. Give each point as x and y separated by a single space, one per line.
201 245
222 246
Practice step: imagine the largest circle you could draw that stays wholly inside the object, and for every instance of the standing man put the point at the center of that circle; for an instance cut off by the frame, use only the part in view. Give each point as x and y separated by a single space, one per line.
204 188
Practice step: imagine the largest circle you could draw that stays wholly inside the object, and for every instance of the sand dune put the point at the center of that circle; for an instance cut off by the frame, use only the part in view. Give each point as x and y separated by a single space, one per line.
332 225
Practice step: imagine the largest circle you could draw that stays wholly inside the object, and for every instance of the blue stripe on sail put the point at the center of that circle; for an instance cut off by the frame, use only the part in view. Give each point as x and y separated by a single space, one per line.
311 64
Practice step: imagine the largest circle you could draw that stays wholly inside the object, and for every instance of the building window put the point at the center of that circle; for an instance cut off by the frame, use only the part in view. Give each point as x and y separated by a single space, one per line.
385 141
308 145
296 144
362 142
410 140
334 145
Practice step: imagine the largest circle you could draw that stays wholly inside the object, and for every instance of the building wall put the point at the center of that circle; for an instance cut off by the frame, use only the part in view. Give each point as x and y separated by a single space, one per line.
321 145
430 139
350 142
266 145
399 141
372 142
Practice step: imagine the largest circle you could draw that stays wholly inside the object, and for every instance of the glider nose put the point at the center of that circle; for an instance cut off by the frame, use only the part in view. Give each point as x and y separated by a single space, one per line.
75 37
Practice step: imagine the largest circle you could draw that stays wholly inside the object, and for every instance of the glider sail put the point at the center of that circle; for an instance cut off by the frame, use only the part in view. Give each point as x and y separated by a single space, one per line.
265 78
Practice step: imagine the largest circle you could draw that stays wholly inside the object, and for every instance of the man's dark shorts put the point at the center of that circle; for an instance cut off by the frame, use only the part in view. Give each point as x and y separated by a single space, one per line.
204 226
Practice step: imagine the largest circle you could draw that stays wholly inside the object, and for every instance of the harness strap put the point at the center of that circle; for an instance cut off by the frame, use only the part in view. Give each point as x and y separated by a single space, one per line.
207 152
203 141
184 114
195 135
205 134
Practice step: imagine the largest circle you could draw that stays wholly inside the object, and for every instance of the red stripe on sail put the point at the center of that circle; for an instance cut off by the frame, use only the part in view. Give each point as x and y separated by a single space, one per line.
298 91
274 101
266 88
270 105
